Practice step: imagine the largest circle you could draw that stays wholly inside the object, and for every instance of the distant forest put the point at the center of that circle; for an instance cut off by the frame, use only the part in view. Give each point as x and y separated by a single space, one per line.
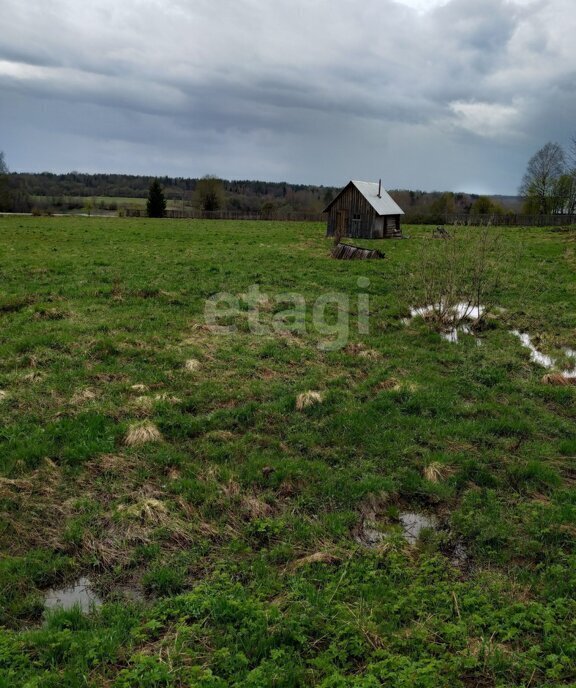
49 192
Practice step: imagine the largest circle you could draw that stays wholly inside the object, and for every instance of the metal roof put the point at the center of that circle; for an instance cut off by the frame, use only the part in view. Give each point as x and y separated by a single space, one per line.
383 205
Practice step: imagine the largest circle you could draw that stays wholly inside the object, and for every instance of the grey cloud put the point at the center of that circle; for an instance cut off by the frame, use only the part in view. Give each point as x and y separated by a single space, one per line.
308 89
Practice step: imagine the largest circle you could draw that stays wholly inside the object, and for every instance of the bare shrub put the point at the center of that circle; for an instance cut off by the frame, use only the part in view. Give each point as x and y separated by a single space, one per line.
457 280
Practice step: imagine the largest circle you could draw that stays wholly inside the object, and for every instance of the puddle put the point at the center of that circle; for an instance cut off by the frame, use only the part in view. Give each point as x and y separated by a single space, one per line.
371 533
535 355
129 593
368 535
452 335
454 316
413 524
375 528
571 354
460 311
79 593
543 359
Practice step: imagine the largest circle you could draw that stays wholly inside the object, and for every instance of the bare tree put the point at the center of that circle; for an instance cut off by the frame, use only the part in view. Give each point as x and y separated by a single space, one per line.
209 194
540 182
3 166
14 195
571 155
569 179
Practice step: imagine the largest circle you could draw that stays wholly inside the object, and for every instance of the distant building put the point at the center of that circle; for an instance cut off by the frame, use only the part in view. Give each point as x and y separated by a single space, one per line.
365 210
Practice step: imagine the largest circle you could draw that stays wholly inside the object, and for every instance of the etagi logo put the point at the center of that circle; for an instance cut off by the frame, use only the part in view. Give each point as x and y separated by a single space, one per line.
331 314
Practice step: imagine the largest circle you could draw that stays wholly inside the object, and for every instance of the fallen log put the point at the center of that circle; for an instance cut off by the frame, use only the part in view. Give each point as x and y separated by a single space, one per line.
349 252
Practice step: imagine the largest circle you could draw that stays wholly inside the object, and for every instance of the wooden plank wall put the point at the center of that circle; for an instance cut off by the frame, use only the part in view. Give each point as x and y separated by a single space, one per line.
352 202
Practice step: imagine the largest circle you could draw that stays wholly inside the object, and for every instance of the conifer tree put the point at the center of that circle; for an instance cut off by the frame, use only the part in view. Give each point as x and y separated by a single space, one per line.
156 204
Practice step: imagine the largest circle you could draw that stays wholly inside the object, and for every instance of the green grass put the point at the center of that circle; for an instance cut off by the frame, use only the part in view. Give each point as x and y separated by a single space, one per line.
238 528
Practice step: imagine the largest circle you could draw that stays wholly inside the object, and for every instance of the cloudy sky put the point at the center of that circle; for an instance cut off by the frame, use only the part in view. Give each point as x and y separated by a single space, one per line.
427 94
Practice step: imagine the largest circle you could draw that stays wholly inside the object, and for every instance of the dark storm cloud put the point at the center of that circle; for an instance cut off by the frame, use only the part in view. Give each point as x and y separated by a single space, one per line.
418 91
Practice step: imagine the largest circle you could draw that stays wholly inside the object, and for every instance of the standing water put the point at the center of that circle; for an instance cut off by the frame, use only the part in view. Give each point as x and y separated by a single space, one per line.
79 593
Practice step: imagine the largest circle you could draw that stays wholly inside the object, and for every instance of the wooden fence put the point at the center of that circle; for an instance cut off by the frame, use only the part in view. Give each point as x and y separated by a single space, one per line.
231 215
506 220
509 220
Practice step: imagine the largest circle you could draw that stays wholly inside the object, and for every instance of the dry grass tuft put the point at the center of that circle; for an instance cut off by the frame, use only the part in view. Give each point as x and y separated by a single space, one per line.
82 396
220 435
141 407
201 327
3 395
141 433
139 388
167 398
118 537
151 511
255 508
316 558
359 349
248 506
435 472
370 353
111 463
558 380
34 376
231 489
291 339
37 496
51 314
307 399
262 303
143 402
390 383
192 365
16 484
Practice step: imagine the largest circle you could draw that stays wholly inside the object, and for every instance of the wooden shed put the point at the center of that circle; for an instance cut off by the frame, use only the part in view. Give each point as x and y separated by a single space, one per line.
364 209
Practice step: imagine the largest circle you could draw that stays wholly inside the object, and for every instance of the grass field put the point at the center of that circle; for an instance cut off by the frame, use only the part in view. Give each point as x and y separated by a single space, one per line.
236 540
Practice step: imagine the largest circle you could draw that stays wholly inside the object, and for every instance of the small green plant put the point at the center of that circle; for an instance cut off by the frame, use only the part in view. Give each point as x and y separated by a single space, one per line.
164 580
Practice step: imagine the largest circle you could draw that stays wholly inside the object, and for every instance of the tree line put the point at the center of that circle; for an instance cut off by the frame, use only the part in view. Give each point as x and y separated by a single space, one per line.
548 187
48 192
14 196
64 192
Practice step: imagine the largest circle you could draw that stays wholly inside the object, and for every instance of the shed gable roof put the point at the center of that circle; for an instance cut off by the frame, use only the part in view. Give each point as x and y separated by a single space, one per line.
383 204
